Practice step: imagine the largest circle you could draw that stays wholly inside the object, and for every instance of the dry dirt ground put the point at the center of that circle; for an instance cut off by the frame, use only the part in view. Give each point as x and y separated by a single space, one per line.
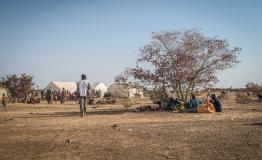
113 132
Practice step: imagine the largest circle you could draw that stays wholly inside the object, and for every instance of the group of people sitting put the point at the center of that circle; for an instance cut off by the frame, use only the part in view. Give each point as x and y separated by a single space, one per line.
194 105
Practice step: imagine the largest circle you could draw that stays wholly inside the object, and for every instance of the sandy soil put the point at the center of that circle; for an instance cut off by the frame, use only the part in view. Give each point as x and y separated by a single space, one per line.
113 132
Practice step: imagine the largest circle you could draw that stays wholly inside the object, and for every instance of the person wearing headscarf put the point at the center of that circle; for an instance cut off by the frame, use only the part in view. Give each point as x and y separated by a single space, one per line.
217 104
193 104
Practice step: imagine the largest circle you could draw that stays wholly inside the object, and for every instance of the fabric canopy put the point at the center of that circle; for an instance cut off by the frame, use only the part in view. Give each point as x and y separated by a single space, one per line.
58 86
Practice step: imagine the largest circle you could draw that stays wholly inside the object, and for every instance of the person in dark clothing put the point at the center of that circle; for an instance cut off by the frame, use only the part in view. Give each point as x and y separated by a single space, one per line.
217 104
63 94
193 104
42 94
172 103
49 96
259 96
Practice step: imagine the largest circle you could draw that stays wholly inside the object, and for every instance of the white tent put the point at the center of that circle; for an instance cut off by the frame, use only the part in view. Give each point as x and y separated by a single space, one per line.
99 87
117 90
58 86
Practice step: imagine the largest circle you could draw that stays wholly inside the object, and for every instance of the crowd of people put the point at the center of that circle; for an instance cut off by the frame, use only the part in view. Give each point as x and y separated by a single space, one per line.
85 95
34 97
61 96
29 97
194 105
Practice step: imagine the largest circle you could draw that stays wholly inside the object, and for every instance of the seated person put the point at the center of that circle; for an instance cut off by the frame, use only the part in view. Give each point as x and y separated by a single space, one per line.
193 104
172 103
207 107
215 101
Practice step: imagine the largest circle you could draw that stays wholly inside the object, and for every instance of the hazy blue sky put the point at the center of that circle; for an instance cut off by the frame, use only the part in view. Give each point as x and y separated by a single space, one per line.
59 40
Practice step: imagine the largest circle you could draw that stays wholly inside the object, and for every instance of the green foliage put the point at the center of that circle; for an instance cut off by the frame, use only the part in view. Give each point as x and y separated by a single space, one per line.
17 85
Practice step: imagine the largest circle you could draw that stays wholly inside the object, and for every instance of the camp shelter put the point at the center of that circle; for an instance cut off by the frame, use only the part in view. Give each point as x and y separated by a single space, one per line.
100 88
119 91
58 86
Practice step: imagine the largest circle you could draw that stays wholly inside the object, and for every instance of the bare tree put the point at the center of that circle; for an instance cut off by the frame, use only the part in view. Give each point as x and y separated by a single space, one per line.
125 80
183 61
122 79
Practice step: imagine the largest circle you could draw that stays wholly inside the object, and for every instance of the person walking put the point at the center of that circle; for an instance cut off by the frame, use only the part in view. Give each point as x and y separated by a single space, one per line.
83 88
4 101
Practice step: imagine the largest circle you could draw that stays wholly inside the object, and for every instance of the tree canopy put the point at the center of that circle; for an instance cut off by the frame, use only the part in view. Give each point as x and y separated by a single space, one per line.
17 85
183 61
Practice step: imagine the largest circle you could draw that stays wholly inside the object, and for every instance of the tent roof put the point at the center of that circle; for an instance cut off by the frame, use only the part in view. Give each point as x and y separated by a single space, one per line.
65 84
71 86
94 85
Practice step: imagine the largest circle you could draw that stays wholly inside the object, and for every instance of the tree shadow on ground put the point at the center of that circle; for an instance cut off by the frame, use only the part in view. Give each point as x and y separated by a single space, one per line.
254 124
77 114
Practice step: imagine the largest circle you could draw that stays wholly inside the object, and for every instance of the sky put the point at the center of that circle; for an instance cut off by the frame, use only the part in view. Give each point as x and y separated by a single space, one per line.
58 40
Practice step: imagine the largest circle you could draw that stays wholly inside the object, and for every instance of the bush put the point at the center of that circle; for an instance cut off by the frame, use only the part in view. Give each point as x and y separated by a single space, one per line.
256 89
242 98
224 97
127 102
160 95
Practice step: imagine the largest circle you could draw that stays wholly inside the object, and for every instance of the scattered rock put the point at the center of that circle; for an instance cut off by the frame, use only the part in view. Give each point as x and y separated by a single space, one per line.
130 129
149 107
10 119
181 111
115 126
143 108
154 106
69 141
166 156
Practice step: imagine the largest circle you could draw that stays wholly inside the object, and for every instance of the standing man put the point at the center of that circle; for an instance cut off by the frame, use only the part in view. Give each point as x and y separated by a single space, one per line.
49 96
83 88
63 94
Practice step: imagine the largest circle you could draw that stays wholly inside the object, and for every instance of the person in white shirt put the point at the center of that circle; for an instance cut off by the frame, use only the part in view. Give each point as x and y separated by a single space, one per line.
83 88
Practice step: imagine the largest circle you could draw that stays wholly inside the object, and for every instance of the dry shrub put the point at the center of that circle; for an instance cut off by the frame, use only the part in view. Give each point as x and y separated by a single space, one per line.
127 102
159 95
242 98
224 97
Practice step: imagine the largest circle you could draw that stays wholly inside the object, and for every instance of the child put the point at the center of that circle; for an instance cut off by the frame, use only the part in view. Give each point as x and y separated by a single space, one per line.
4 100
